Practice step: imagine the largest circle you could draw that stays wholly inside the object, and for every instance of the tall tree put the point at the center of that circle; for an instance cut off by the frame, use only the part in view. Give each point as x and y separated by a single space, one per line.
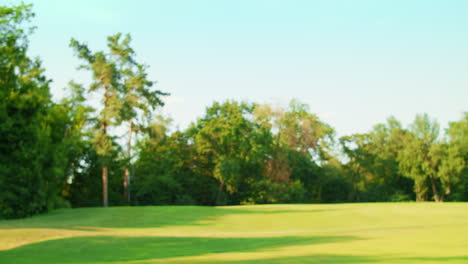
105 80
138 97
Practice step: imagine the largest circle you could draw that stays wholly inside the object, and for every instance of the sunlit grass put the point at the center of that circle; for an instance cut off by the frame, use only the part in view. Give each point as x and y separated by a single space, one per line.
344 233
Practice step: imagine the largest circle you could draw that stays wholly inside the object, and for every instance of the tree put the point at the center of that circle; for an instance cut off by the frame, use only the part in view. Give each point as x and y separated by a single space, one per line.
166 170
232 147
299 142
33 169
297 128
373 167
105 78
455 167
427 160
137 95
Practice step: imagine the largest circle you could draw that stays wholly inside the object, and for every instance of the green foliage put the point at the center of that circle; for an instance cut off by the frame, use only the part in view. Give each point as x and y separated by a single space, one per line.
428 161
134 87
126 97
33 149
456 164
85 186
297 128
232 144
266 191
249 154
333 187
394 164
166 170
373 168
53 154
105 80
300 141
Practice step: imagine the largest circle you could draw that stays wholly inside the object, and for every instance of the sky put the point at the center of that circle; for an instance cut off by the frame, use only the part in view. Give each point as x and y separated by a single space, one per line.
355 63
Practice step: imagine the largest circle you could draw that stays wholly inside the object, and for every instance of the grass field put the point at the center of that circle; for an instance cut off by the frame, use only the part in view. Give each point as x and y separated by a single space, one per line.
343 233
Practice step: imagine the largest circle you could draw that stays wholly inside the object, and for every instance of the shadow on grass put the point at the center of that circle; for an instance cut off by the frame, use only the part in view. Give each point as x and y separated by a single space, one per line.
316 259
348 259
136 217
459 259
106 249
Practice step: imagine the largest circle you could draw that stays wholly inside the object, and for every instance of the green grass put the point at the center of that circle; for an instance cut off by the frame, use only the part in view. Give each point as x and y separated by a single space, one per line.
343 233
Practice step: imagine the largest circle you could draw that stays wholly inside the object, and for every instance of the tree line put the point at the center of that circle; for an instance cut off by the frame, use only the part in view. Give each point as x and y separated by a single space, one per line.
70 153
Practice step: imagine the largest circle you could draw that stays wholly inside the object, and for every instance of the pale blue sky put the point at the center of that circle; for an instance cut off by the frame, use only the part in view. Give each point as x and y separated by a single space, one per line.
354 62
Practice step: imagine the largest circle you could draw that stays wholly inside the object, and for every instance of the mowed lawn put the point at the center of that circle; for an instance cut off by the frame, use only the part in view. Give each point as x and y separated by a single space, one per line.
341 233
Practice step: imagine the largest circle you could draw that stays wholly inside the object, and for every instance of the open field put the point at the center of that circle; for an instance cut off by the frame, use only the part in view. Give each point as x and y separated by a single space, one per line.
342 233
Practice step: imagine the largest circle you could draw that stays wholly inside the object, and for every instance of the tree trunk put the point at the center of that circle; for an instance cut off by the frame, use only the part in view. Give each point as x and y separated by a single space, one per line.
126 182
419 191
105 201
447 192
220 192
437 197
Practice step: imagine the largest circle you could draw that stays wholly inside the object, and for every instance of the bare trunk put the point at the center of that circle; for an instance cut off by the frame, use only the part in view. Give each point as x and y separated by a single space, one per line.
437 197
319 196
447 192
105 201
220 191
126 182
420 194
